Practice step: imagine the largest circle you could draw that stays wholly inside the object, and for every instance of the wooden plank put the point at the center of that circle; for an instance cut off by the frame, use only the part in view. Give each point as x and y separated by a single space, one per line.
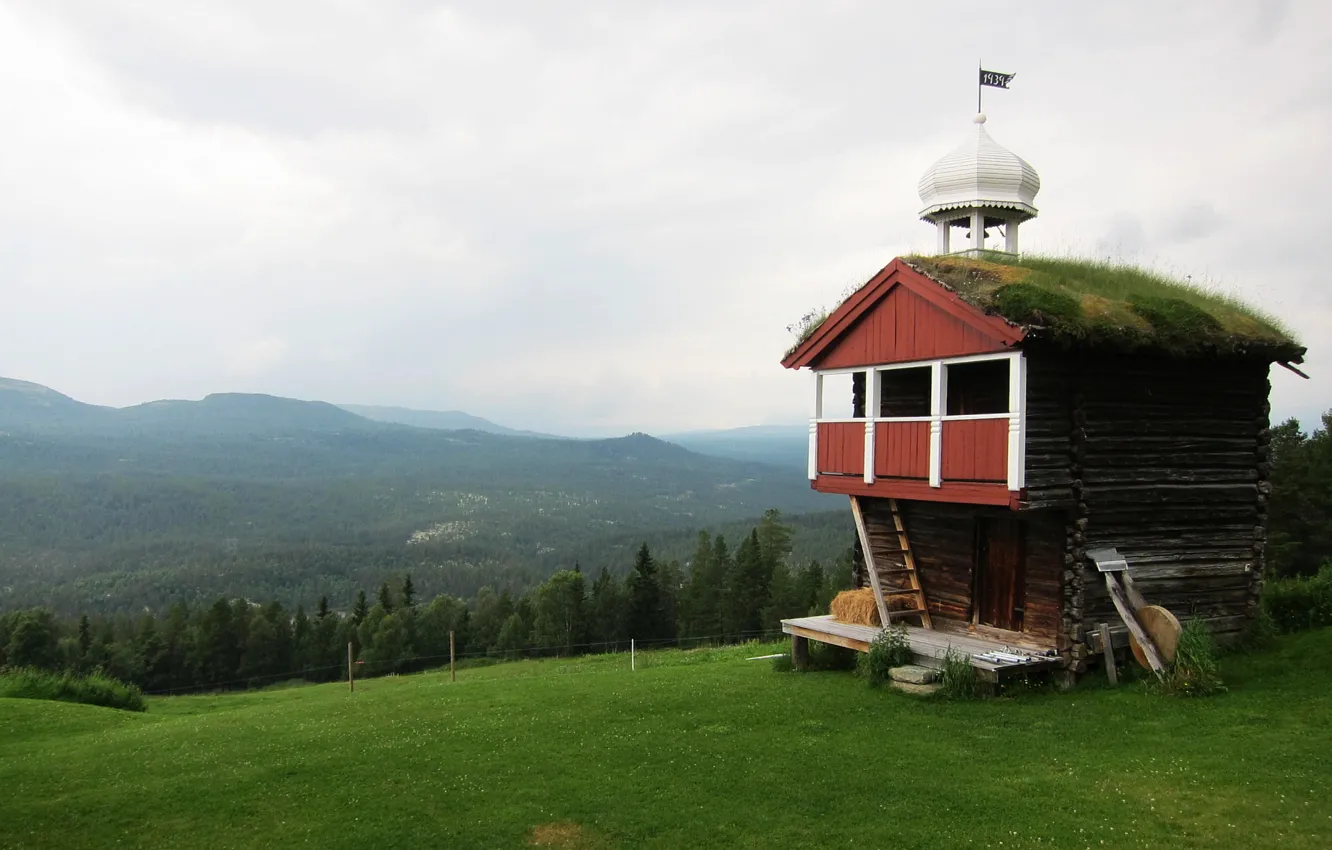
956 492
1131 621
826 637
870 567
1135 600
1110 670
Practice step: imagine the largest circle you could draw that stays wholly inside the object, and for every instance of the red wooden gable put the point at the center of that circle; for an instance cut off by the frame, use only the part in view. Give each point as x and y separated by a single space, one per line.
901 315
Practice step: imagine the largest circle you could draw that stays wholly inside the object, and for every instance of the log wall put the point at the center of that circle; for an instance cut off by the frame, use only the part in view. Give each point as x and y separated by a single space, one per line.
1168 463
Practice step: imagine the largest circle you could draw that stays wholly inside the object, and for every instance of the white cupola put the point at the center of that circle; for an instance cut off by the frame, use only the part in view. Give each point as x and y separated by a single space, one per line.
979 186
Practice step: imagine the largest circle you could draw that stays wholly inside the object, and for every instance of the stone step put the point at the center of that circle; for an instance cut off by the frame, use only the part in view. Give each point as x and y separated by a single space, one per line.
914 674
917 690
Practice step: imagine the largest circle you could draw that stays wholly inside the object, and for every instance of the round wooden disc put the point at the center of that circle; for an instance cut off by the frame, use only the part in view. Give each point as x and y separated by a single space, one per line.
1162 627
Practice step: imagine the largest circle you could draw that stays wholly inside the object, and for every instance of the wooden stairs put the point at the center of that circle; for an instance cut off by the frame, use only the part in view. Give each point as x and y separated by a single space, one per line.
890 564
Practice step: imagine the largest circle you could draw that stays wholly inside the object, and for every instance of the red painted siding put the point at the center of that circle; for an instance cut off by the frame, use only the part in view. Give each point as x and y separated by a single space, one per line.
975 450
904 327
842 447
902 449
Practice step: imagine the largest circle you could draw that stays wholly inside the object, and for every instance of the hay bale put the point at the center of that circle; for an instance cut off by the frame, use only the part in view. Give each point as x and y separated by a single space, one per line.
856 607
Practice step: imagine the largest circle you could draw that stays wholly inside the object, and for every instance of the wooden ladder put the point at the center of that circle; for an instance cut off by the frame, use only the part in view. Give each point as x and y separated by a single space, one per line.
876 572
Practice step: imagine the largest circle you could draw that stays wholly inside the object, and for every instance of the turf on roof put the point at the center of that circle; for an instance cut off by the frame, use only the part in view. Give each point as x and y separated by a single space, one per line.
1084 302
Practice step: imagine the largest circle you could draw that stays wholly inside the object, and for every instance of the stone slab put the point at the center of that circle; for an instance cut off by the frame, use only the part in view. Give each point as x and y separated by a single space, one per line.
914 674
916 690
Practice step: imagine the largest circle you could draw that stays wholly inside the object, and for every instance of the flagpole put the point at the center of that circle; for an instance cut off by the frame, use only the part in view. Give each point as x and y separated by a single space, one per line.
980 64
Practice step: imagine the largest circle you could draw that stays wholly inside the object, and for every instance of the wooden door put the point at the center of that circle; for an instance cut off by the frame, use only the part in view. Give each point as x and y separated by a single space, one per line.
1001 561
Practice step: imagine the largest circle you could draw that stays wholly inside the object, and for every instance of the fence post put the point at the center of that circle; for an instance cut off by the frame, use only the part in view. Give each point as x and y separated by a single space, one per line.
631 655
351 676
453 677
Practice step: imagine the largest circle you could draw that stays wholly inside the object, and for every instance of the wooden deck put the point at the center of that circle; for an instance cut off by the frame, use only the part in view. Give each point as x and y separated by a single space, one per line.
929 645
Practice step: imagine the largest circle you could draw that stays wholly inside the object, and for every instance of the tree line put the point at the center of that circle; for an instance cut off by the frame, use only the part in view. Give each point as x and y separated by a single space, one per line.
719 595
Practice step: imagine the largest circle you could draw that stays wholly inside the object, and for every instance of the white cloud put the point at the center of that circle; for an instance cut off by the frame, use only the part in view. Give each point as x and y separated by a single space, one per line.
602 215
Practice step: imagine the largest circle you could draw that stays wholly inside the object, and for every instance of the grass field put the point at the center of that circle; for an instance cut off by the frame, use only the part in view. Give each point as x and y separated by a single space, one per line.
698 749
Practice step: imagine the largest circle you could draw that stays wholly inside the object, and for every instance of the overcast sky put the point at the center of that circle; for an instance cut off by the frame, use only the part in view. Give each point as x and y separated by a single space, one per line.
602 217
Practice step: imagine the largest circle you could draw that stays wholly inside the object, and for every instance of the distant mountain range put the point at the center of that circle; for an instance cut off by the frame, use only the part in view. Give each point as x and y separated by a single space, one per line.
780 445
33 408
261 496
440 420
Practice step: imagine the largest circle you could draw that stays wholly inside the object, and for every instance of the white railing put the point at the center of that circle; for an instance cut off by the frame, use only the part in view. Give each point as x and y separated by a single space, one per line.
1016 415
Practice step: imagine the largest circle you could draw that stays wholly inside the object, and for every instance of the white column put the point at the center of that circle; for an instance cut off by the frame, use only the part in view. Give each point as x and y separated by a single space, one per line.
1017 401
872 388
1011 236
945 235
978 230
938 395
814 427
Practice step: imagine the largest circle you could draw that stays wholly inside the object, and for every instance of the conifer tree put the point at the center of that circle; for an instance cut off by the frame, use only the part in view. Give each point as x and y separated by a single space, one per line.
321 613
85 636
644 619
408 592
360 610
607 611
385 598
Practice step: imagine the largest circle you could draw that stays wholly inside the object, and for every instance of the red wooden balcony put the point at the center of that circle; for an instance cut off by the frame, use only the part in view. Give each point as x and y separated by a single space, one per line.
951 454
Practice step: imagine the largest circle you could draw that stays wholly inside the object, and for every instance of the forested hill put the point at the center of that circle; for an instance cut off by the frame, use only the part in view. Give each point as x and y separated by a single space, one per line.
275 498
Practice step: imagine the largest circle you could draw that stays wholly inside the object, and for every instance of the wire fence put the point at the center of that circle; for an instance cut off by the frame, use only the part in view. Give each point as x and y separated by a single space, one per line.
373 668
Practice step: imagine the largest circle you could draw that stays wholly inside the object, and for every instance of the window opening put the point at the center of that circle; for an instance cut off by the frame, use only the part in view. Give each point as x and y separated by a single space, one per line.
843 397
905 392
978 388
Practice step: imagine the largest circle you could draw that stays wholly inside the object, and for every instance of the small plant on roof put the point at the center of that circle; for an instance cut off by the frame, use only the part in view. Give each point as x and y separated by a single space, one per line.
805 326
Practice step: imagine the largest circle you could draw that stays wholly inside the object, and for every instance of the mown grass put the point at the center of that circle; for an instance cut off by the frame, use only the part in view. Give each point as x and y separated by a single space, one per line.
1108 302
695 749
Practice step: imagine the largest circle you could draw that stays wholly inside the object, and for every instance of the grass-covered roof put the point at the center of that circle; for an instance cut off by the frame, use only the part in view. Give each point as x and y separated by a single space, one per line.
1098 303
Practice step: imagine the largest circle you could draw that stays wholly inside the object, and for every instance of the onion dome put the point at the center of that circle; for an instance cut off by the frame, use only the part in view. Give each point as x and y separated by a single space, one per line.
980 174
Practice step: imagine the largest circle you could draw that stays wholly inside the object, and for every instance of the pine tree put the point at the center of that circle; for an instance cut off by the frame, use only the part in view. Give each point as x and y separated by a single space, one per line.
774 538
385 598
747 589
408 592
809 589
360 610
302 634
321 613
698 602
723 565
608 611
644 618
85 636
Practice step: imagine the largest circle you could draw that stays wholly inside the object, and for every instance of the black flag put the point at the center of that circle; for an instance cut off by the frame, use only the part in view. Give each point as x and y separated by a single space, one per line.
996 79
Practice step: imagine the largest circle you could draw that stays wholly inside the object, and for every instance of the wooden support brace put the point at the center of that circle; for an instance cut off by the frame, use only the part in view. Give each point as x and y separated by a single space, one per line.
868 547
1130 618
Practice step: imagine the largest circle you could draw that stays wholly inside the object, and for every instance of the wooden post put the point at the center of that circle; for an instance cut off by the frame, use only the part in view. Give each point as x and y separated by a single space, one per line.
351 675
453 676
631 655
799 653
1109 651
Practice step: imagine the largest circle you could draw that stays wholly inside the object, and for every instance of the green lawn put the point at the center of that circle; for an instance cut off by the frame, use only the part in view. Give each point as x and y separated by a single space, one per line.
694 749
